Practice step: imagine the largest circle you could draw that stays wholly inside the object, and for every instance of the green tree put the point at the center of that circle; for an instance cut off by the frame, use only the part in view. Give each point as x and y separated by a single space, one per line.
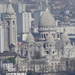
12 60
31 73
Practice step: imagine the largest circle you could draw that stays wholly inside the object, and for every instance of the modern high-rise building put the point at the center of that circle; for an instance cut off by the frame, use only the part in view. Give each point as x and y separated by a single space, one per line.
18 7
23 18
10 29
24 22
36 15
1 37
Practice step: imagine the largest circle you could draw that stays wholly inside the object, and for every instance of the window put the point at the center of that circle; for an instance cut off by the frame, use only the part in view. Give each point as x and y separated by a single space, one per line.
8 22
44 35
31 53
55 63
54 35
50 45
44 46
13 22
53 52
51 63
47 52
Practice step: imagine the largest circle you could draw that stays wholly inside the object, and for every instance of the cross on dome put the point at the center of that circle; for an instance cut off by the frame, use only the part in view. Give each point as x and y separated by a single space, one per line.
47 3
47 18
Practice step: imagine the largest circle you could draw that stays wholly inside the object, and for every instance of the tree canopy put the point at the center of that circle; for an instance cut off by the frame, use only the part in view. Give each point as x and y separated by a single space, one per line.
31 73
12 60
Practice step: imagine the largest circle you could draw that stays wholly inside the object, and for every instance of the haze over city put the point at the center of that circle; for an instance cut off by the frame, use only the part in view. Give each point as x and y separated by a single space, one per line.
37 37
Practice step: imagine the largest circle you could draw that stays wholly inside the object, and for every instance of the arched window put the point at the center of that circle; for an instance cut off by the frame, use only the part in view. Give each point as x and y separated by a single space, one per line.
13 22
53 52
44 46
50 45
54 35
39 35
47 52
44 35
58 35
8 22
26 53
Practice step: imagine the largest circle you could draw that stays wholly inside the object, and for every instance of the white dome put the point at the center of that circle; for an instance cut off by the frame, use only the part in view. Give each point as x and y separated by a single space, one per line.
49 38
10 8
30 38
47 19
64 37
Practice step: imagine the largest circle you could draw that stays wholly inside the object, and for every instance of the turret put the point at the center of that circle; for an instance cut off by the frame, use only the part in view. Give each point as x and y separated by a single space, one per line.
65 37
10 28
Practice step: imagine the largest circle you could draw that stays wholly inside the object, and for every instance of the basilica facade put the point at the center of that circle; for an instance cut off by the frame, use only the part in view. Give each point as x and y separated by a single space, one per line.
46 54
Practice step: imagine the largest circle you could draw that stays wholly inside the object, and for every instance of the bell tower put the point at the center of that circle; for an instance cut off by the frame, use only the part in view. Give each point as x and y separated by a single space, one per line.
10 29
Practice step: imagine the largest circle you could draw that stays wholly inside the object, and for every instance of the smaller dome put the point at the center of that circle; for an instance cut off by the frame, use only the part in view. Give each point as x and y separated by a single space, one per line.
64 37
49 38
30 38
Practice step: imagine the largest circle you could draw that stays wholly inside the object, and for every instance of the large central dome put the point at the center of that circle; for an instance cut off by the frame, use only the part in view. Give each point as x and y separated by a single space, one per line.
47 19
